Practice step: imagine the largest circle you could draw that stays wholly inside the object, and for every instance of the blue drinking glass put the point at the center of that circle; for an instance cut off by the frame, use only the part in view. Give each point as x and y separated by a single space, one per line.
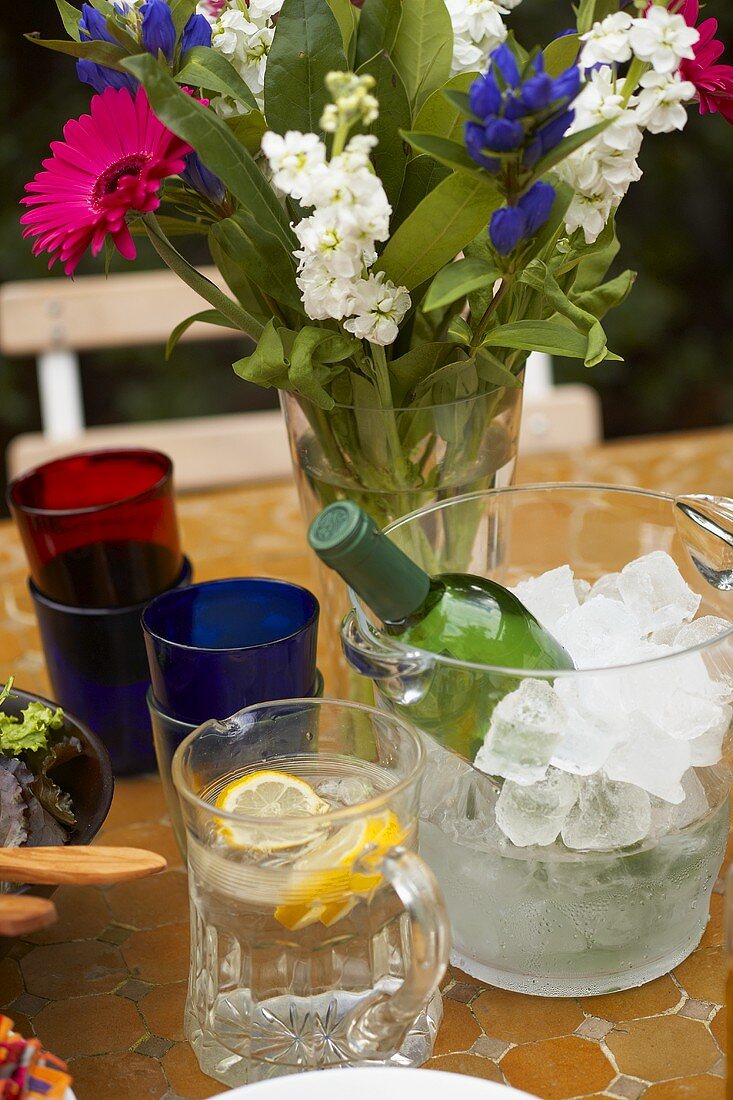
216 647
97 666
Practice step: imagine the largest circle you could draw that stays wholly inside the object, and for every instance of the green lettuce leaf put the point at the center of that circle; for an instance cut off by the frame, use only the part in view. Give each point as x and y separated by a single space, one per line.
30 732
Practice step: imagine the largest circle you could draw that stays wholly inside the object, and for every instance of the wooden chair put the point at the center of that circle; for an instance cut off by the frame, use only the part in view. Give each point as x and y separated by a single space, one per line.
55 319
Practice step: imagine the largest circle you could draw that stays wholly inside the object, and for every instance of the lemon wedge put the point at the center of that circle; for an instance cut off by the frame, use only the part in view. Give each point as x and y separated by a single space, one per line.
267 795
329 887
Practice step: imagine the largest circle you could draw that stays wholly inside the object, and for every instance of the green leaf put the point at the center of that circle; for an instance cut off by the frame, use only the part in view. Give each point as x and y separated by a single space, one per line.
541 278
423 49
267 365
104 53
586 15
206 316
607 296
459 330
70 17
561 54
438 229
567 146
595 259
423 174
490 369
248 130
378 25
181 10
307 45
552 337
439 115
231 271
459 98
346 17
451 153
211 70
264 259
415 366
391 155
457 280
216 145
239 317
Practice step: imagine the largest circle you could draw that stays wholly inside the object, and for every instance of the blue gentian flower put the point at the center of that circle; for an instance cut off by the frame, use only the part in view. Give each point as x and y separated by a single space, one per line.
506 229
197 32
158 29
536 205
527 111
93 27
202 179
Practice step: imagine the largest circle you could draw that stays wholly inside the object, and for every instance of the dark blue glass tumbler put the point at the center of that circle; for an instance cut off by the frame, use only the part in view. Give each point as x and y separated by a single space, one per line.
216 647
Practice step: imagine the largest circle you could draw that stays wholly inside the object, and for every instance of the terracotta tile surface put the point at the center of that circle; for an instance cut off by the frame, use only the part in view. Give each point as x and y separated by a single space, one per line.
89 1025
458 1031
162 1010
159 954
119 1077
148 902
70 969
694 1088
109 976
650 1000
558 1069
520 1019
470 1064
662 1048
184 1075
703 975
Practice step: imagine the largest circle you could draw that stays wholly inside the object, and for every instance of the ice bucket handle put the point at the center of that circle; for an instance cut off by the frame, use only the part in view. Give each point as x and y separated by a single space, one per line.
378 1028
364 653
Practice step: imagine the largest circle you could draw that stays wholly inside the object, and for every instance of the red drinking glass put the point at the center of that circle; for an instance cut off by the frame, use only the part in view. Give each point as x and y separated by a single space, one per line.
99 527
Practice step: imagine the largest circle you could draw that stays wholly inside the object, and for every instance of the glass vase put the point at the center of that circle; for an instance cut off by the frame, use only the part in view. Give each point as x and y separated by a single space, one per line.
392 462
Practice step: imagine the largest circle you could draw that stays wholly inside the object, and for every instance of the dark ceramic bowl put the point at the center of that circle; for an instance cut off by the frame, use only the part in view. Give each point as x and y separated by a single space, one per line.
87 778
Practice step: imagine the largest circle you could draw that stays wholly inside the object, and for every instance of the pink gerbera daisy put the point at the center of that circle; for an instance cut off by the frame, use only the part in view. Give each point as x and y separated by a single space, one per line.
714 82
111 161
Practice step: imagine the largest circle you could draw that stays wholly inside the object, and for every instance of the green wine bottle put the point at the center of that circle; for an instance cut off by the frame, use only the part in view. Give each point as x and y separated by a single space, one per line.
456 615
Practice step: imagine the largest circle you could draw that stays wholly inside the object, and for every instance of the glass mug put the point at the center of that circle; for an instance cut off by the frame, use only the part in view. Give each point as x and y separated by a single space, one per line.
316 940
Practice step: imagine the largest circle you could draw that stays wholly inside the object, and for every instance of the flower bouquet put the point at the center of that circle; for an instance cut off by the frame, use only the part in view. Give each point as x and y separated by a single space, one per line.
401 199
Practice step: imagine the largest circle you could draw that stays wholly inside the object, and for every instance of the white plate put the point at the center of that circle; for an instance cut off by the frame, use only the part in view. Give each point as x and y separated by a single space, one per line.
386 1082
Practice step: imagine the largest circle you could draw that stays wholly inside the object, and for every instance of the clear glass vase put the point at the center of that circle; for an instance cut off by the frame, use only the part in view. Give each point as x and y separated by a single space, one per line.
392 462
625 898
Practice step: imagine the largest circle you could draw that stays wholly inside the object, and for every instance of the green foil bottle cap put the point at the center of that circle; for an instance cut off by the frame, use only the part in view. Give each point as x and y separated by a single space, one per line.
348 540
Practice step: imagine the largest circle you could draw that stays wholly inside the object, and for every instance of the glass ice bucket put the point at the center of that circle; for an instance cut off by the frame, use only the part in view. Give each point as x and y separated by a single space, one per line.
317 939
584 861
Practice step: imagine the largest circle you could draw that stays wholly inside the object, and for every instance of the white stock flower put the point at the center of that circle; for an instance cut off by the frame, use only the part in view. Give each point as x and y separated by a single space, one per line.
327 236
589 213
379 307
608 41
260 11
663 39
246 44
295 160
478 28
601 100
324 295
661 101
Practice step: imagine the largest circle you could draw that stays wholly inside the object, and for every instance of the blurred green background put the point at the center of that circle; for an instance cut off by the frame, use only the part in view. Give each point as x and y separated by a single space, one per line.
676 229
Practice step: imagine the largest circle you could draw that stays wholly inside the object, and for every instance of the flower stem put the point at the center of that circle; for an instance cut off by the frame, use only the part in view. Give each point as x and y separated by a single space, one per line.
384 389
492 307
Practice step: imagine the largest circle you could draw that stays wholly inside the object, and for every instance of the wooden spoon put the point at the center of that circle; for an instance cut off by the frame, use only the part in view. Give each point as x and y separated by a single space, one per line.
20 914
77 864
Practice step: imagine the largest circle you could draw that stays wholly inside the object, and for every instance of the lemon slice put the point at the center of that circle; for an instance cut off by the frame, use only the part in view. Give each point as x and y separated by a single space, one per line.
331 887
268 795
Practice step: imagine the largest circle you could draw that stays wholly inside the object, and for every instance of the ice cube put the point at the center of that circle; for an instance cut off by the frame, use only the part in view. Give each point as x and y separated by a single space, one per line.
700 631
707 749
445 777
653 589
535 814
599 633
594 724
665 635
607 815
687 717
650 759
524 732
582 589
667 818
549 596
607 586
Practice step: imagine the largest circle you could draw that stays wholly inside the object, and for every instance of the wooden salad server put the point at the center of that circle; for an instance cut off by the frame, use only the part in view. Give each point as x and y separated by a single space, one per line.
77 864
20 913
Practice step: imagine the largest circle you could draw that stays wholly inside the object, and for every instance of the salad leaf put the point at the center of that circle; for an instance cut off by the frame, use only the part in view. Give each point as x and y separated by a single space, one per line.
13 829
47 791
30 732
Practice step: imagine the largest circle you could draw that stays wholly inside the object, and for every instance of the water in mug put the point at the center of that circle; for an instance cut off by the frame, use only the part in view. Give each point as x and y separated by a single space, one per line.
280 958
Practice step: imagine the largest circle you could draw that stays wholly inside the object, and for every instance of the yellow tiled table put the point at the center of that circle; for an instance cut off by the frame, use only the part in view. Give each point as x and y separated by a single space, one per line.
105 988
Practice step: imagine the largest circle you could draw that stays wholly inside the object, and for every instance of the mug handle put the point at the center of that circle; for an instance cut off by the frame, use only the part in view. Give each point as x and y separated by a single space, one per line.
378 1028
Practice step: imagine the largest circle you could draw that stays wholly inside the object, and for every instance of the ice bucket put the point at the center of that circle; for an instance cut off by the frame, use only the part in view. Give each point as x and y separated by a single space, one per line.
592 873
